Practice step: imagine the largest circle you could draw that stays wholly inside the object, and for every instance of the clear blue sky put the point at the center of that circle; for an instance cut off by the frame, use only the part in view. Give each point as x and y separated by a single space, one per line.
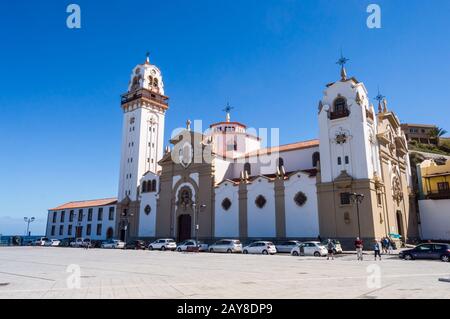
60 122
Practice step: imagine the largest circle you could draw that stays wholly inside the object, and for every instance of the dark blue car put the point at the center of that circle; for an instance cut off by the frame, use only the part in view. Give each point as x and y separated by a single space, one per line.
427 251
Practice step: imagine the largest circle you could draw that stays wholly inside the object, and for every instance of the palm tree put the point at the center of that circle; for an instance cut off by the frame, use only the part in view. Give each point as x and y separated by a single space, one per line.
436 133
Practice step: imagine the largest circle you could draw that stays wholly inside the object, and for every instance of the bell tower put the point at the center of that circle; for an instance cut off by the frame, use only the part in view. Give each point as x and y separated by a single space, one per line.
144 106
349 161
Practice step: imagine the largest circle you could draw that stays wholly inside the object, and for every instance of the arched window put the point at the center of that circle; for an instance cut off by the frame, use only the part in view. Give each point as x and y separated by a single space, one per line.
154 185
144 187
340 108
155 82
248 168
280 163
315 159
340 105
150 81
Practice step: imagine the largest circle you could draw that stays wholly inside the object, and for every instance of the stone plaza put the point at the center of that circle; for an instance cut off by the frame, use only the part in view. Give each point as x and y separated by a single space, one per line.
49 273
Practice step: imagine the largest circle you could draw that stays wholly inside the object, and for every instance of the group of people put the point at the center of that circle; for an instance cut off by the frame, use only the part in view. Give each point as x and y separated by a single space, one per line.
385 245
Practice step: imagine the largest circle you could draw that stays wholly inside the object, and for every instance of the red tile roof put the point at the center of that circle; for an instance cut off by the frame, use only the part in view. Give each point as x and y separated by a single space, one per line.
87 203
284 148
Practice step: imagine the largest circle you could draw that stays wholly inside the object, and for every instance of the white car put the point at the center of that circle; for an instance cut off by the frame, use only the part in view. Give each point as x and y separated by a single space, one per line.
191 244
287 246
77 243
163 244
260 247
40 241
52 243
310 248
226 246
113 244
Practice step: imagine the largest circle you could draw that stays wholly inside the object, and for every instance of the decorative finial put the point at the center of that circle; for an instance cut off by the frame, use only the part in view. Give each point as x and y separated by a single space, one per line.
188 125
385 109
147 60
342 61
228 109
379 98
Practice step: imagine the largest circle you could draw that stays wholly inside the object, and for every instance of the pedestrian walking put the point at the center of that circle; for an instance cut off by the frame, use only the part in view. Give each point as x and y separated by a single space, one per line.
385 244
330 248
359 248
390 246
376 249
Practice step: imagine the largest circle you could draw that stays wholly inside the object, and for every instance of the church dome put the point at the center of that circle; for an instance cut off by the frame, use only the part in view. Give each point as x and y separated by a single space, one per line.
146 76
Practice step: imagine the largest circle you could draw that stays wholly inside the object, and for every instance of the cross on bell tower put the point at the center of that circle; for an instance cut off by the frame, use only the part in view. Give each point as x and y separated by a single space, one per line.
228 110
342 62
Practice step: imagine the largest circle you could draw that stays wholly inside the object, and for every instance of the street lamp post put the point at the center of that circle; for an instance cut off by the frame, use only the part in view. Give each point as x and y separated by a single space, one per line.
357 198
28 220
196 211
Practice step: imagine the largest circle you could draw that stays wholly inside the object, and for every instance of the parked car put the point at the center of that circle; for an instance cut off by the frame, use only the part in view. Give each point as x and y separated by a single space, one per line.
286 246
78 242
113 243
66 242
226 246
86 243
427 251
337 246
163 244
260 247
96 243
192 245
135 244
52 243
40 241
310 248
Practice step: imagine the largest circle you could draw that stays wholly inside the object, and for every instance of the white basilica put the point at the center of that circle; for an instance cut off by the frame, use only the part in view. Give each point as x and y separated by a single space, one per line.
222 184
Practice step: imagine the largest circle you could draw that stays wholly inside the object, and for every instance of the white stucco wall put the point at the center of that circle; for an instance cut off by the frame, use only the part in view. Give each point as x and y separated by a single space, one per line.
261 221
227 221
301 221
147 223
105 222
357 128
435 219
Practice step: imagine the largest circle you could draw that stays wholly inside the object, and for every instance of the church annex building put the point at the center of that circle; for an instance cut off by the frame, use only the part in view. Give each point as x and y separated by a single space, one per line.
354 180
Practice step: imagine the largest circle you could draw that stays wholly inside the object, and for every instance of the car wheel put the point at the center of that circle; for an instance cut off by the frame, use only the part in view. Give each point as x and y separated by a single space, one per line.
445 258
229 251
245 251
295 253
264 252
179 249
163 248
211 250
316 254
408 257
150 247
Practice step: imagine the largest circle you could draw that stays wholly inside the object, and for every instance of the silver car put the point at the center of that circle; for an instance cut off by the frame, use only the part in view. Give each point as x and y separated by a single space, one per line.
287 246
226 246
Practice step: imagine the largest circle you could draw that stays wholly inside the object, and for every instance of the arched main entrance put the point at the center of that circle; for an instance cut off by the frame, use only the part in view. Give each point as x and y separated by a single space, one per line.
184 227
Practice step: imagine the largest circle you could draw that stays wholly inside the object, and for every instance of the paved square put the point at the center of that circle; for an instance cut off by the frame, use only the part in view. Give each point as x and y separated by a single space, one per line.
41 272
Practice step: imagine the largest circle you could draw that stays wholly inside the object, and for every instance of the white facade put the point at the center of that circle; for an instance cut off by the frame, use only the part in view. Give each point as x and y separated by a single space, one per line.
358 156
301 221
435 219
261 221
142 132
148 207
227 221
94 224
